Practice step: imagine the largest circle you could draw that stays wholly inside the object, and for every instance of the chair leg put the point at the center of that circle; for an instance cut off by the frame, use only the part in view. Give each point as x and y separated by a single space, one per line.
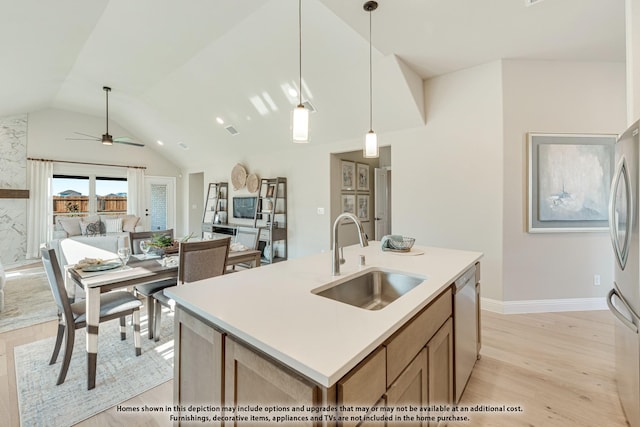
136 331
68 351
56 349
157 321
123 328
150 303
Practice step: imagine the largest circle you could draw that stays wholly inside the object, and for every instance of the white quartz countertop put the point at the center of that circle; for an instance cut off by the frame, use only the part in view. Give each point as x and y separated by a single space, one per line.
273 309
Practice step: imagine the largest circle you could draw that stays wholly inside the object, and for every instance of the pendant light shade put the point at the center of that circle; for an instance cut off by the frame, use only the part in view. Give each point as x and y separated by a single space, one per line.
300 117
370 139
371 145
300 124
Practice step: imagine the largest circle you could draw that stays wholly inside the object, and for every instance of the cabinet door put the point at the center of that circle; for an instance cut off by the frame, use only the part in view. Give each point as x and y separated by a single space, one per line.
362 387
440 367
478 334
251 379
197 362
410 389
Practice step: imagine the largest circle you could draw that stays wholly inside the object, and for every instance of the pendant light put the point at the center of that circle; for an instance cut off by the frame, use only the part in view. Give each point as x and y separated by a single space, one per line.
370 139
300 114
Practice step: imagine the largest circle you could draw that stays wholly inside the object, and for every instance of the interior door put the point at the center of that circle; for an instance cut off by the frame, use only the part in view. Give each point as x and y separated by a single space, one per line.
159 213
382 214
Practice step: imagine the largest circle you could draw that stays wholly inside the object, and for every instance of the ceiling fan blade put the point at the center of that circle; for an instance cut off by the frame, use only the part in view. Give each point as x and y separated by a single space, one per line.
91 136
137 144
81 139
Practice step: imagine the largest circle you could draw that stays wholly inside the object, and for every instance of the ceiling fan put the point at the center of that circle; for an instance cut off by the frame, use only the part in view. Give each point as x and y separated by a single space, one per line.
106 138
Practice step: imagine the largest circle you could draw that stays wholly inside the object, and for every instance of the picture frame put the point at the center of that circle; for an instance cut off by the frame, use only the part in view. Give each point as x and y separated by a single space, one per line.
569 180
362 177
349 203
348 172
270 190
362 207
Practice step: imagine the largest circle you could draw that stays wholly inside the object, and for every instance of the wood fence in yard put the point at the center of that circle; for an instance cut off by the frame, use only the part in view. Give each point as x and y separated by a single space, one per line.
80 204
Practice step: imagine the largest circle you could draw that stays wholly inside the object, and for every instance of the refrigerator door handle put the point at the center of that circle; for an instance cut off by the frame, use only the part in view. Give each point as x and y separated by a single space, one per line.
616 313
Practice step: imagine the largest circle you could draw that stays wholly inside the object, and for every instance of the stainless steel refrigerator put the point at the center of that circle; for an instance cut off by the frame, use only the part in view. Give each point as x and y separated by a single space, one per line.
624 297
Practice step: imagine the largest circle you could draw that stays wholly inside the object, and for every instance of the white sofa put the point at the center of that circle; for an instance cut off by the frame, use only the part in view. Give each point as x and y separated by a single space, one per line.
75 238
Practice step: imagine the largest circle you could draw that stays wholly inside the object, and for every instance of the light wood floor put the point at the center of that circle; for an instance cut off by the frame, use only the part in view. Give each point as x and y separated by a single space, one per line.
558 367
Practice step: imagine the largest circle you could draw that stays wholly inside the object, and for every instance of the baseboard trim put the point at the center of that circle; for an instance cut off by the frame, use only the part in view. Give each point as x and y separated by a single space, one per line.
543 305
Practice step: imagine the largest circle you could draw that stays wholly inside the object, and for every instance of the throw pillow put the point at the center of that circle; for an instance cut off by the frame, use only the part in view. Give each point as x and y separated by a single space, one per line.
113 225
71 225
91 228
129 223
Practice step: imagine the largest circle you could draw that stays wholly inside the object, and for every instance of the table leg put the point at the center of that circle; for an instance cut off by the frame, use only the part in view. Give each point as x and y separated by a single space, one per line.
93 320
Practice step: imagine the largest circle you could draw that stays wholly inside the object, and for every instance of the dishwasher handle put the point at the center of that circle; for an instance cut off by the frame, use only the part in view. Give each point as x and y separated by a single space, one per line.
466 278
628 323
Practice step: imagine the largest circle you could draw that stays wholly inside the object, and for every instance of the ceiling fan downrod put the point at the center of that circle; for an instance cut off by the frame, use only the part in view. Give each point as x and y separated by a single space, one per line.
106 138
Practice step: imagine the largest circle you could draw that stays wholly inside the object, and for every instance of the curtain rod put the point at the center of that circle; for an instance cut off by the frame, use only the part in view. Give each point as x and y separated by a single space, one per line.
86 163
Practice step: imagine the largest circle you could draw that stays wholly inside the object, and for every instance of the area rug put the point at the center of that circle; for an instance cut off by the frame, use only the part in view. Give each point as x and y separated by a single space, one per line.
27 299
120 374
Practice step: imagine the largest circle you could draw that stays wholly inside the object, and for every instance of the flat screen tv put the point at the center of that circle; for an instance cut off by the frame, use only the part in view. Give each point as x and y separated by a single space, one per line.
244 207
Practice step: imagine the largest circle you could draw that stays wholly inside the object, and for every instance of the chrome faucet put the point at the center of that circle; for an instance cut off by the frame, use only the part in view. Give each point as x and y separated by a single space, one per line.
337 258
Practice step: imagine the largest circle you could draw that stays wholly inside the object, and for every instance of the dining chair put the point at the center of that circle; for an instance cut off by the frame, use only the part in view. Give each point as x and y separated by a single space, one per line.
197 261
148 289
248 237
71 316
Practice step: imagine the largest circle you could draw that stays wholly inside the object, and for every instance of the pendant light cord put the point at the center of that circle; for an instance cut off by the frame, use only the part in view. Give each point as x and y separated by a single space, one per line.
370 80
300 50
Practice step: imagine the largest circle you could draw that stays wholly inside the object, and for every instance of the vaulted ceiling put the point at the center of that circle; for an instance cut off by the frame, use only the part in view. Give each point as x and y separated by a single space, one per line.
174 67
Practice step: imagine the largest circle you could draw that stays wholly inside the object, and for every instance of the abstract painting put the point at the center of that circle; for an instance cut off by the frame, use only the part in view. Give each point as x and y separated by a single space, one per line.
569 181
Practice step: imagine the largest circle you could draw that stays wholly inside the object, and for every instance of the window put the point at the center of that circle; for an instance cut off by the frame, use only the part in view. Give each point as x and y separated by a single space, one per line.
77 195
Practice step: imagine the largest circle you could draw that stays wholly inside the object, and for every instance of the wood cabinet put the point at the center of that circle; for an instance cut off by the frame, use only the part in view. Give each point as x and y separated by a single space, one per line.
418 361
411 388
197 363
440 367
252 379
413 367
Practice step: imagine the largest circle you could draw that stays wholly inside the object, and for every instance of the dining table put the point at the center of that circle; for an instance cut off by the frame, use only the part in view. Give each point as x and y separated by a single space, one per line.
139 270
136 272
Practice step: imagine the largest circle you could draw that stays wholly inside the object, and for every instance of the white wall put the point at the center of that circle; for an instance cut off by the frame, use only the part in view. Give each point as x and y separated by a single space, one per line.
447 177
555 97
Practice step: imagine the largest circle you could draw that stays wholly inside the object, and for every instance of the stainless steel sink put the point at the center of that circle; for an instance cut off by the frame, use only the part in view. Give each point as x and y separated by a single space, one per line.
372 290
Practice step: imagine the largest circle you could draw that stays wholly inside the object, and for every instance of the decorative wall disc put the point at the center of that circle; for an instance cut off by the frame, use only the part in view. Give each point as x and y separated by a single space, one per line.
252 183
238 177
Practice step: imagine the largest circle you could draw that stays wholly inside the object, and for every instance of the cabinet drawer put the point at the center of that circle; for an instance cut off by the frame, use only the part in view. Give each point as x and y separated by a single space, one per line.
403 346
366 383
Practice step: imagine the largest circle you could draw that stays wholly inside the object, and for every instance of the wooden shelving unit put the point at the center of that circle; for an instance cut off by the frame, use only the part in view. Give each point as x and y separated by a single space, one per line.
271 218
216 207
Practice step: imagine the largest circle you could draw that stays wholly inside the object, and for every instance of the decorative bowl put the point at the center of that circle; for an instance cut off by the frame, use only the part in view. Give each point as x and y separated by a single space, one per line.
402 245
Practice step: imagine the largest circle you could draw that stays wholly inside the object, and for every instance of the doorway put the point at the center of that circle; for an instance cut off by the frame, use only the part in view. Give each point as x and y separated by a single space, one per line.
160 195
374 195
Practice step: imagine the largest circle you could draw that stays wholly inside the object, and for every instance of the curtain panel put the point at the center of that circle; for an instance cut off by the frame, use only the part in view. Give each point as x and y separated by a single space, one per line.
40 206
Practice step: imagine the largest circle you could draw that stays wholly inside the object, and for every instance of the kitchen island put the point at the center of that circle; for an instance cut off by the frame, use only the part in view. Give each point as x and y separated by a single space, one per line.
263 337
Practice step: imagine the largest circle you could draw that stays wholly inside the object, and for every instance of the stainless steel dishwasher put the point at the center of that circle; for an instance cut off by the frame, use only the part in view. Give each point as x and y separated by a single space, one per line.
465 329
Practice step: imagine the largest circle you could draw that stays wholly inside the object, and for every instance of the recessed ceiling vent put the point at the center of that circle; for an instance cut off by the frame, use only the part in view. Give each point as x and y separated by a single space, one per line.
531 2
183 145
231 130
309 106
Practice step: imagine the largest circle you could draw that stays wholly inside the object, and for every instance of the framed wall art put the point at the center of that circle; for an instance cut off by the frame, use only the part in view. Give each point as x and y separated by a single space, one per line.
349 203
569 179
362 207
362 176
348 175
